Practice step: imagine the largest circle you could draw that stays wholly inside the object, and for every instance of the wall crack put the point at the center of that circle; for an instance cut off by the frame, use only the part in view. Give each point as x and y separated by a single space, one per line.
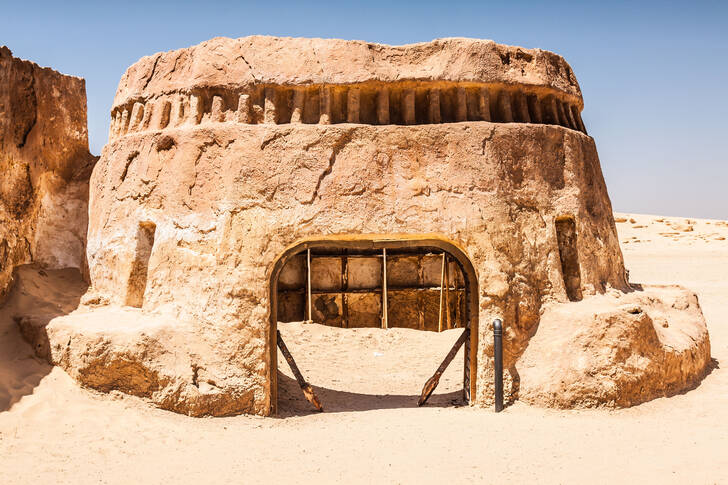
338 146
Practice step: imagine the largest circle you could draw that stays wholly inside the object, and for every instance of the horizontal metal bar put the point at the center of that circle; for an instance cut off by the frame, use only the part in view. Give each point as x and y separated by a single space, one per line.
376 290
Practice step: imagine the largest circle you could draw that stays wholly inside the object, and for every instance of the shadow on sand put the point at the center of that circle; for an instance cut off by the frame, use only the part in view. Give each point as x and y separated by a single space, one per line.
292 403
37 297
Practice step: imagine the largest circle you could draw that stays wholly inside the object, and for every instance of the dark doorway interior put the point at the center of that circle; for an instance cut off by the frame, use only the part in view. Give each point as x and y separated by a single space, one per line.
569 255
137 283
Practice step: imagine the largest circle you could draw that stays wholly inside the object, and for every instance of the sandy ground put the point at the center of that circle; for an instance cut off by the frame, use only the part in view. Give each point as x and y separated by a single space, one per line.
366 369
372 431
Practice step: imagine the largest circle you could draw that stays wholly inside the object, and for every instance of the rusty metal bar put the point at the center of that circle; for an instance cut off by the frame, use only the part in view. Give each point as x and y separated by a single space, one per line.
447 294
305 386
466 370
442 291
433 381
385 310
344 288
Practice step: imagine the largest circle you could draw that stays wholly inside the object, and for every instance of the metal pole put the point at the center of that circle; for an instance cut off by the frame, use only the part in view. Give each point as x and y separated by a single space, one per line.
498 357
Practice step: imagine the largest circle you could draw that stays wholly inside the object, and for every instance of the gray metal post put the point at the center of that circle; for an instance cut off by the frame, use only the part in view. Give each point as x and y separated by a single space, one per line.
498 357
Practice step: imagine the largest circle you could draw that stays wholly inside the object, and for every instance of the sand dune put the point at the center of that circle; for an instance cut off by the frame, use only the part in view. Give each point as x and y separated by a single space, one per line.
372 432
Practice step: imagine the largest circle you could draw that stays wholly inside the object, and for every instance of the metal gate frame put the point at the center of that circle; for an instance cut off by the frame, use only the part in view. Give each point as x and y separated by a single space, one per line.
378 242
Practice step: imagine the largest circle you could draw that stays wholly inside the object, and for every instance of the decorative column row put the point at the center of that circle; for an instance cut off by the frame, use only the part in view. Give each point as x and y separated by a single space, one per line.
335 104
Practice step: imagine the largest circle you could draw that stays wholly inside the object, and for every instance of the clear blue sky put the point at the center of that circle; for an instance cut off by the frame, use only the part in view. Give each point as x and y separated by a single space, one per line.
654 74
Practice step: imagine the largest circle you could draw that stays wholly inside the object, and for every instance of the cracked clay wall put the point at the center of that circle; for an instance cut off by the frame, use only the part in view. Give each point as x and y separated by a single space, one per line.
227 199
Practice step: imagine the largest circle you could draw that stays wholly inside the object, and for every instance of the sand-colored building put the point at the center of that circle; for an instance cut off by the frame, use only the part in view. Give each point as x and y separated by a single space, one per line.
428 186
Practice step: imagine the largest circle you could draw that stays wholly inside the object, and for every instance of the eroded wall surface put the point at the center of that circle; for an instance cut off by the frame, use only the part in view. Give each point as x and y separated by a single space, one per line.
237 148
44 165
227 199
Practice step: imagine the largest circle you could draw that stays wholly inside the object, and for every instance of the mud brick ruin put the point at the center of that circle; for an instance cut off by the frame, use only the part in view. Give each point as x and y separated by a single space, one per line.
256 180
45 165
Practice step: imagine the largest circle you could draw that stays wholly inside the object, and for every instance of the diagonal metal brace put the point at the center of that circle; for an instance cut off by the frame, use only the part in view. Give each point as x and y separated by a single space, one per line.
305 386
433 381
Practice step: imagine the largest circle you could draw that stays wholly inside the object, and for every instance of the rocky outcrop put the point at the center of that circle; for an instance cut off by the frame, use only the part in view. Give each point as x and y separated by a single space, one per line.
174 365
616 350
45 166
104 348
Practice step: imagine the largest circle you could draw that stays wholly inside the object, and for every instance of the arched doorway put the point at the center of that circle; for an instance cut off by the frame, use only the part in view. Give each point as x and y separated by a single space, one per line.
393 245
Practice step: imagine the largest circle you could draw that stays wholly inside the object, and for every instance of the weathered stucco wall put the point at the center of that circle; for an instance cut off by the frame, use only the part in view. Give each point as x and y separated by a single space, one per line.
44 165
262 60
227 199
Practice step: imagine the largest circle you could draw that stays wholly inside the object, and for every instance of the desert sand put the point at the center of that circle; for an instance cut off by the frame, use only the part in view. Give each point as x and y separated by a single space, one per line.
372 431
